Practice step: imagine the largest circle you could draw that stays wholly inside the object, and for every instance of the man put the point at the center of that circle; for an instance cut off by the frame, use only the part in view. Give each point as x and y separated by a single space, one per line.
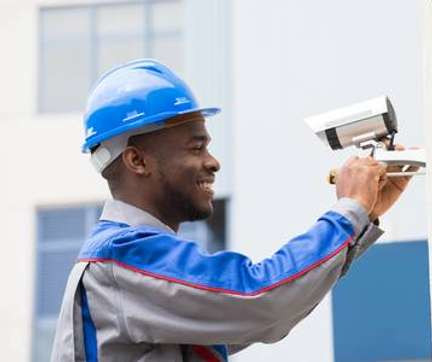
141 293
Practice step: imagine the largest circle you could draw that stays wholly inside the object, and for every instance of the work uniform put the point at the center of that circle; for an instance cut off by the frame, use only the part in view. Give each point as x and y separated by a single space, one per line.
139 292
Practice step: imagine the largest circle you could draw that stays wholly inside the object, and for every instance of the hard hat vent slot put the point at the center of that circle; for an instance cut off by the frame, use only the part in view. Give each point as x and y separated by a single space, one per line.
154 69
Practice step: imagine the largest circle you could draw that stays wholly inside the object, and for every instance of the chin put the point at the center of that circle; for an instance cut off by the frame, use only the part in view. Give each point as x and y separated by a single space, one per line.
200 213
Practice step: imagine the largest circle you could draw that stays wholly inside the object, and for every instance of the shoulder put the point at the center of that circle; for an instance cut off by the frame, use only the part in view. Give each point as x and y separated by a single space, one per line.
109 235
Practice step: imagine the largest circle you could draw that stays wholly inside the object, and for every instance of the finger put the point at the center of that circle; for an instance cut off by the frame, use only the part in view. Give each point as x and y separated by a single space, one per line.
351 160
405 179
382 168
379 171
395 169
368 161
402 182
382 182
399 183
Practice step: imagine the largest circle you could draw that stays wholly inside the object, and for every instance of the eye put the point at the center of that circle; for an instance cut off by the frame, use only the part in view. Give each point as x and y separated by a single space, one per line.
198 148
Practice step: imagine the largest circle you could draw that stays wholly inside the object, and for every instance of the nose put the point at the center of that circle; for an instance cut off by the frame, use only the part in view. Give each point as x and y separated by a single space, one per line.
211 163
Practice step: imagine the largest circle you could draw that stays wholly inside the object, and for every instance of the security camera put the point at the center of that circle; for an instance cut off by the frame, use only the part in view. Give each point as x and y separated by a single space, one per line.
356 125
370 124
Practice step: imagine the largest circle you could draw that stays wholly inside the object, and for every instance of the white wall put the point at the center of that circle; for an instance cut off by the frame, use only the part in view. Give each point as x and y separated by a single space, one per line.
292 59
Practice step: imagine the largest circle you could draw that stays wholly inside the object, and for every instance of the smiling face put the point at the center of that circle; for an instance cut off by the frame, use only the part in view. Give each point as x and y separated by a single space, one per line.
183 174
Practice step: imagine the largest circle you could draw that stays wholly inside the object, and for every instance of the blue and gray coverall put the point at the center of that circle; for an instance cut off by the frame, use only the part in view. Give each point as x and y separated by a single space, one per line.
139 292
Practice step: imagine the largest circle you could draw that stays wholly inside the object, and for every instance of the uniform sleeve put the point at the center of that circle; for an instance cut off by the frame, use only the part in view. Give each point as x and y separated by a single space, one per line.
366 239
169 291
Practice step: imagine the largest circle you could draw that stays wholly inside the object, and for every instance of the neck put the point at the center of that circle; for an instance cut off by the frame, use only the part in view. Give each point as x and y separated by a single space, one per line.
148 207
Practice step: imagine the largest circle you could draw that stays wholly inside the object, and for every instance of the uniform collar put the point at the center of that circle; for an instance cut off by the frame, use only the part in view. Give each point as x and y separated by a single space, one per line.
119 211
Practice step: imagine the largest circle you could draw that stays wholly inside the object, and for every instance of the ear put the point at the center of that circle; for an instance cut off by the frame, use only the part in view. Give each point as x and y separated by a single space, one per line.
136 161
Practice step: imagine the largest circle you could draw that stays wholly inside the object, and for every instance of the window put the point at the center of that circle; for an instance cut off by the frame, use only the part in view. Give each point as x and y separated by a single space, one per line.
61 232
79 43
381 308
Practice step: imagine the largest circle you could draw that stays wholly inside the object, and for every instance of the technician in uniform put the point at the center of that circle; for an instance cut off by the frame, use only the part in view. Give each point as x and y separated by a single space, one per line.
138 291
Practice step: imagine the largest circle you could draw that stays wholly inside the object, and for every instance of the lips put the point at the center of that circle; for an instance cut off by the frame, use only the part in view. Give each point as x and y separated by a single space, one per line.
206 185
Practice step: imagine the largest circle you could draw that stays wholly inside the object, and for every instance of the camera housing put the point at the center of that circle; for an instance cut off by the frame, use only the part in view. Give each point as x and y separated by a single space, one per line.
356 125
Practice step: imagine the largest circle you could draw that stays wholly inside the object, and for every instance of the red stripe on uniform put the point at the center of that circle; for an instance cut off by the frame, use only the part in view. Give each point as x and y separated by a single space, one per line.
216 289
205 354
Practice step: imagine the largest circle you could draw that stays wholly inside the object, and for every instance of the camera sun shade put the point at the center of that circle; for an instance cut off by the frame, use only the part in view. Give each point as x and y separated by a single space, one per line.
356 125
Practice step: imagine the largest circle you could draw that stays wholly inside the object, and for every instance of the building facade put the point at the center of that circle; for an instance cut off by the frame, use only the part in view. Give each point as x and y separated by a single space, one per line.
268 65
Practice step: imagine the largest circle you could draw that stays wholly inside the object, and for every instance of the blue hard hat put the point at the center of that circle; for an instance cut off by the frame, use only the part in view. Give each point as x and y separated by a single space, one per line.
139 94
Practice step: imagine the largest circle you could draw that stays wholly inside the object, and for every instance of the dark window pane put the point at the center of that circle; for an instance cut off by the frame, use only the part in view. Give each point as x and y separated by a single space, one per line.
79 43
120 35
381 308
97 212
53 271
65 59
209 234
61 234
64 23
125 19
57 224
66 77
217 226
44 332
196 231
167 16
112 53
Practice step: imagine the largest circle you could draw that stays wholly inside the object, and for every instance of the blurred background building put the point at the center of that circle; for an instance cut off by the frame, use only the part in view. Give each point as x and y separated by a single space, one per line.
268 65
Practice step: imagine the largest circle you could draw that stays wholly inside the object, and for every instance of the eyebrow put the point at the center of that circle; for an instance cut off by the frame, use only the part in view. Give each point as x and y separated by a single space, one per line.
201 137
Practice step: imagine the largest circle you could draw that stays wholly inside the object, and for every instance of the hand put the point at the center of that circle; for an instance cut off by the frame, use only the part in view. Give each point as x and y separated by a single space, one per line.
359 179
390 189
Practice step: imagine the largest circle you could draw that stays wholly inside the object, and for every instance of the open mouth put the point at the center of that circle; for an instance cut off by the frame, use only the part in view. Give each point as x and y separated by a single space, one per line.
206 186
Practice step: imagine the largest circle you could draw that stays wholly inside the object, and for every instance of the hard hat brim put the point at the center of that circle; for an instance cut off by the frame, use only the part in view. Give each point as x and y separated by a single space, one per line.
206 112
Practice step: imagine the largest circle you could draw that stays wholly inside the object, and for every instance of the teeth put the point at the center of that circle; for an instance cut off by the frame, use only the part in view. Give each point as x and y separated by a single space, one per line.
206 186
